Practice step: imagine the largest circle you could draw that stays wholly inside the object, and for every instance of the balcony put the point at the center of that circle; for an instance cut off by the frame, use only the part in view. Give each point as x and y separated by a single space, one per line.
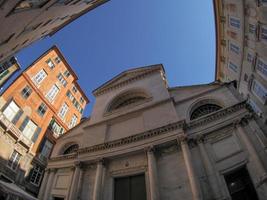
11 129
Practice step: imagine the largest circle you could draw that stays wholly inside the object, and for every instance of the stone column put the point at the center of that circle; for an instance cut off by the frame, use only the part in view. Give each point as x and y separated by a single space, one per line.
79 186
211 172
253 155
152 174
98 180
50 181
44 184
75 180
193 180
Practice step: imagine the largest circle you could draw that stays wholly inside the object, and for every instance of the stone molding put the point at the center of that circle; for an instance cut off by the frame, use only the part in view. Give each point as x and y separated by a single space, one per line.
123 83
156 132
217 115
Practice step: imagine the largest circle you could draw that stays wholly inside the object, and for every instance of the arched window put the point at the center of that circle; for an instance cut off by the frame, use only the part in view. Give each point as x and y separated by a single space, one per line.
126 99
71 149
204 110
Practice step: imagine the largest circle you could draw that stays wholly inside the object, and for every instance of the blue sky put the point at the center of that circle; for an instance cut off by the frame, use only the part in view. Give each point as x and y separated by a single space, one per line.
123 34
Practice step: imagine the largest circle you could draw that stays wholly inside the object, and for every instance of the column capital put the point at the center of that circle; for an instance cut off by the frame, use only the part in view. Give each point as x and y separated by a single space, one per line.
150 149
101 161
182 138
79 164
200 139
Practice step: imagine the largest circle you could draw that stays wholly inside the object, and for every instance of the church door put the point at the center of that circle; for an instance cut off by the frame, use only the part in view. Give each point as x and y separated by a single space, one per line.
130 188
240 185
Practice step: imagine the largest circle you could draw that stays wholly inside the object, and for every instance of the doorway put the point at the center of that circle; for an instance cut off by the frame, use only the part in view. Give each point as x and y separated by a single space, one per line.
130 188
240 185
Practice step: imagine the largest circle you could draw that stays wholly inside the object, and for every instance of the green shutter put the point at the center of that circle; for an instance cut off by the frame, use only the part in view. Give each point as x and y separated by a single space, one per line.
36 134
24 123
17 116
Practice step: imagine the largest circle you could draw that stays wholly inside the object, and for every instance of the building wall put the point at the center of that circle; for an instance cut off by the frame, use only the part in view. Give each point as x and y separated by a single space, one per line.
29 25
30 106
178 156
245 47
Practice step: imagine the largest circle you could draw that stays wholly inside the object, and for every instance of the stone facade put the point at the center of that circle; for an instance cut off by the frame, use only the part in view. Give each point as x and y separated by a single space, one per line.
7 69
241 27
184 141
26 21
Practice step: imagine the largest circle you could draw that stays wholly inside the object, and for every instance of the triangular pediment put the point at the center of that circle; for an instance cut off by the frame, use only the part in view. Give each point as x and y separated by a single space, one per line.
127 76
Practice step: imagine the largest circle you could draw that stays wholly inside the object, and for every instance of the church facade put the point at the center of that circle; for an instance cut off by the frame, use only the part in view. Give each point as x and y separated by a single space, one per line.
147 141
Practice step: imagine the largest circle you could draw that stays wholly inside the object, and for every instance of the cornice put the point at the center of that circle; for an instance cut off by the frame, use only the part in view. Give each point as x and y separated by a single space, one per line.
215 116
123 83
155 132
134 138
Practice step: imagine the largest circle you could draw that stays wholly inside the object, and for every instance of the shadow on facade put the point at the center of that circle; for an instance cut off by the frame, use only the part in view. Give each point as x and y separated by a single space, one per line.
13 182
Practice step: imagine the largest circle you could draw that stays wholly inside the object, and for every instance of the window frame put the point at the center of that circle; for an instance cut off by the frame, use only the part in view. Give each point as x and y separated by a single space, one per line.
39 173
52 93
41 110
14 161
26 92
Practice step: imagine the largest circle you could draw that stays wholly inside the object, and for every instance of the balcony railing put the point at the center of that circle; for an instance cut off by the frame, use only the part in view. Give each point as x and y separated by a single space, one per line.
16 133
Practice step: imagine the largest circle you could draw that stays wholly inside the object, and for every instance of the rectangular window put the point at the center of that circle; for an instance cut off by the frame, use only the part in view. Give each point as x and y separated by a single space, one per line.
252 29
73 121
67 73
61 79
42 109
232 66
71 97
57 60
14 159
50 63
263 33
74 89
234 22
261 67
56 128
260 91
52 93
254 106
11 110
36 175
250 57
81 100
40 76
29 129
26 92
234 48
46 150
63 111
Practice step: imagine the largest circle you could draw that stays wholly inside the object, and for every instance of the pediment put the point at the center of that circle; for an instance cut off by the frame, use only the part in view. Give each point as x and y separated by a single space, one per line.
127 76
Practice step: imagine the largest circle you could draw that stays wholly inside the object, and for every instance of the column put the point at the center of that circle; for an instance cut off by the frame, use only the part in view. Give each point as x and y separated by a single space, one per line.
50 181
44 184
79 186
193 180
75 180
152 173
253 155
212 174
98 180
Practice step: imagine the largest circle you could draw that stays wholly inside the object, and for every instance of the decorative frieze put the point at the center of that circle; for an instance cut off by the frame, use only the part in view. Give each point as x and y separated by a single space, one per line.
158 131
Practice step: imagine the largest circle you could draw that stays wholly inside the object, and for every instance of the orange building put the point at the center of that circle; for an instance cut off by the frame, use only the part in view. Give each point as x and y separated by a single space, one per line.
42 103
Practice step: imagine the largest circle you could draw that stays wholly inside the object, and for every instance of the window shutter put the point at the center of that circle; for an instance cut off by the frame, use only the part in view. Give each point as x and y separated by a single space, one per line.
36 134
5 106
42 145
17 116
24 123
